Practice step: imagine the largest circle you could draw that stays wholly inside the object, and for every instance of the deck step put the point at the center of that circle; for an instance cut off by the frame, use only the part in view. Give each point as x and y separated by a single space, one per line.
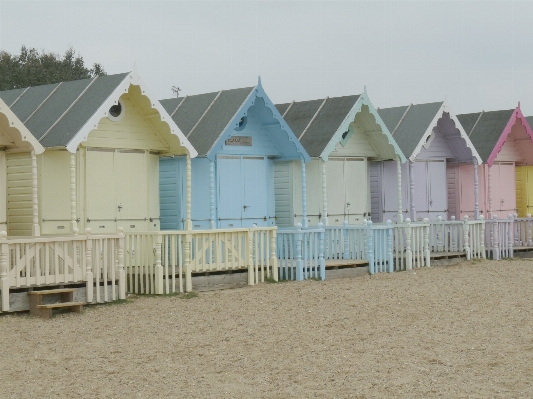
51 292
61 305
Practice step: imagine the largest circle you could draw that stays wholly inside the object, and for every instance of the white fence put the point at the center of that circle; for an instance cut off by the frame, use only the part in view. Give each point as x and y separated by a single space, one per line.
162 262
411 245
499 234
97 260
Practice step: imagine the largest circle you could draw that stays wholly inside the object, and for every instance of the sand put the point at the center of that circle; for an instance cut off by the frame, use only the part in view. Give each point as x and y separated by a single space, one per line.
460 331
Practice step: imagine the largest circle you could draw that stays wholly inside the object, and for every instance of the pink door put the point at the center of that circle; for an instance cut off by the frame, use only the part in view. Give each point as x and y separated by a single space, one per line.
507 191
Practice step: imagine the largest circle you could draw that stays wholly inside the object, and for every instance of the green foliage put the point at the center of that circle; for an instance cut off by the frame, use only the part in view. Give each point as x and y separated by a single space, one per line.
34 68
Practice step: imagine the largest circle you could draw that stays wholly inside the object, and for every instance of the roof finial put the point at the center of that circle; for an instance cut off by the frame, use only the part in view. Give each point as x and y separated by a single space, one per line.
259 80
518 104
364 91
135 67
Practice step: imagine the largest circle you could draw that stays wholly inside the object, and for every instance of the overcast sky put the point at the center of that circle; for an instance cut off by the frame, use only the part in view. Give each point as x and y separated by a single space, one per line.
478 54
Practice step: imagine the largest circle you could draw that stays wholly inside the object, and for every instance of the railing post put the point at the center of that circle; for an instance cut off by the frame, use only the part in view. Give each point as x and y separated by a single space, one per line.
389 246
121 272
187 261
482 238
273 258
346 252
89 265
427 254
439 227
495 230
465 238
158 267
370 247
510 237
408 252
299 265
4 277
528 230
322 263
249 257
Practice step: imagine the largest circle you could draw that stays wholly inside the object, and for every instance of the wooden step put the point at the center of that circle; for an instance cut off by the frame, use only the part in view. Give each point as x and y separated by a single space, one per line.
51 292
45 311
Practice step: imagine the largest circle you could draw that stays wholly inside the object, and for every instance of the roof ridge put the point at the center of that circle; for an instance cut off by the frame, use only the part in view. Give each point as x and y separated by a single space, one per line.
18 98
475 124
288 108
313 118
68 109
401 119
41 104
205 112
179 105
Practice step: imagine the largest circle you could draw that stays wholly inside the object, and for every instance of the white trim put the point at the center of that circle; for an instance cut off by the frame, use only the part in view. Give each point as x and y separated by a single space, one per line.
25 134
132 78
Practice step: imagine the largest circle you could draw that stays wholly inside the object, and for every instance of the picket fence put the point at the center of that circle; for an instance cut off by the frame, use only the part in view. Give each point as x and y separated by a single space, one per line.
162 262
97 260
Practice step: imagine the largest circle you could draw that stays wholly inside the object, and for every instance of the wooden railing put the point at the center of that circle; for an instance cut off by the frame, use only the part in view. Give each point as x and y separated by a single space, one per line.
379 247
523 231
499 235
456 236
346 242
300 253
475 238
163 262
97 260
411 244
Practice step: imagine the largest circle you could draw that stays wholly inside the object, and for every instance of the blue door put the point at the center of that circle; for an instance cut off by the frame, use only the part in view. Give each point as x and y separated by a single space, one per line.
243 191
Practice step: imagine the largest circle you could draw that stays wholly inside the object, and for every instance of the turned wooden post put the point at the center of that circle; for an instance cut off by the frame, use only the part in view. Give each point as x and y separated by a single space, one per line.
252 278
188 221
299 264
187 262
304 196
466 239
389 246
495 246
324 194
476 191
412 190
121 272
370 248
482 238
439 226
36 229
4 277
510 239
399 180
408 252
212 221
321 261
427 253
273 258
159 286
73 219
89 265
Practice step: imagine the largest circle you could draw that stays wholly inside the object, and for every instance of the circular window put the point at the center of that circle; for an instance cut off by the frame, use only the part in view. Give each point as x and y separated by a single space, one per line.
242 123
116 112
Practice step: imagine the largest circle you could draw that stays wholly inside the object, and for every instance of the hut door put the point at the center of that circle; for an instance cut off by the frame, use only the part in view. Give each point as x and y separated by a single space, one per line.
132 190
255 201
230 191
356 185
100 191
336 190
506 189
389 191
437 194
421 199
528 189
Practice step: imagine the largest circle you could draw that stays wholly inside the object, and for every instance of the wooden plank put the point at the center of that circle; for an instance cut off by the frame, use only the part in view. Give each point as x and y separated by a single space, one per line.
50 292
60 305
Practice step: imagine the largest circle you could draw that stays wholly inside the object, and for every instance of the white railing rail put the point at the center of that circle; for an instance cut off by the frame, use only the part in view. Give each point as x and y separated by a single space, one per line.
97 260
379 247
499 236
162 262
300 253
475 238
446 235
523 232
411 244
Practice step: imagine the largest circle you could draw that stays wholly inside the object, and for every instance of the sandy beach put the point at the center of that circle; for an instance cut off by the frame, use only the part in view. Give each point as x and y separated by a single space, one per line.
458 331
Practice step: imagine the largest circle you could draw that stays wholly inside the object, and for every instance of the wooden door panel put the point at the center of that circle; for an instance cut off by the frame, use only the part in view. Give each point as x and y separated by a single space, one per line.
230 194
100 191
313 172
255 205
356 188
335 189
507 190
438 197
528 189
421 200
131 180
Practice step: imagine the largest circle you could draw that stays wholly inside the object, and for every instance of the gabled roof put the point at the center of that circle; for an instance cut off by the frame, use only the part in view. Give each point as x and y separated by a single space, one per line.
320 124
15 131
63 114
411 125
208 118
487 129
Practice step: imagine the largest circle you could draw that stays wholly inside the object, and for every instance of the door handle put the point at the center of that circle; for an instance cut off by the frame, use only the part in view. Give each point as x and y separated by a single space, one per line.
245 206
430 202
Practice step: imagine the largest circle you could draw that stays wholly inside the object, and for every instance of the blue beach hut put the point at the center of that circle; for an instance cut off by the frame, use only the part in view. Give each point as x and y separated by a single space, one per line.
239 135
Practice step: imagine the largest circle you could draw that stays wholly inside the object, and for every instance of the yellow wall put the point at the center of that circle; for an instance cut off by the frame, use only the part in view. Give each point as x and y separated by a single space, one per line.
524 190
19 194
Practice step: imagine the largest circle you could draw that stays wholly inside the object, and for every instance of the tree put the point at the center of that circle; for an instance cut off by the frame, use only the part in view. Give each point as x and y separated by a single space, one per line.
34 68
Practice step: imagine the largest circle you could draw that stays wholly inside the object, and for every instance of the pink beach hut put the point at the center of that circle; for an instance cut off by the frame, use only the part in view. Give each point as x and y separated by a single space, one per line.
504 141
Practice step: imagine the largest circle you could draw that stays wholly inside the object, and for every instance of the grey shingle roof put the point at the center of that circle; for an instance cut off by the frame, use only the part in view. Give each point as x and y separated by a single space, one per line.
211 124
328 116
58 116
529 120
409 131
485 131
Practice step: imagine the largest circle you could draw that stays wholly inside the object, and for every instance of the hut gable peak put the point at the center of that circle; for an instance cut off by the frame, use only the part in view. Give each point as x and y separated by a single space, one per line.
13 134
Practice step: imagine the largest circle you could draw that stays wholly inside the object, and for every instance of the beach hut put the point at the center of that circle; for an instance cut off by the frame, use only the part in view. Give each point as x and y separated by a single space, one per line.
240 137
102 140
342 135
504 141
435 143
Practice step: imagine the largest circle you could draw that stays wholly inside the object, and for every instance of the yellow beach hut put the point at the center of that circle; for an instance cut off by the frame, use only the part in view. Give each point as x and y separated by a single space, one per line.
93 160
